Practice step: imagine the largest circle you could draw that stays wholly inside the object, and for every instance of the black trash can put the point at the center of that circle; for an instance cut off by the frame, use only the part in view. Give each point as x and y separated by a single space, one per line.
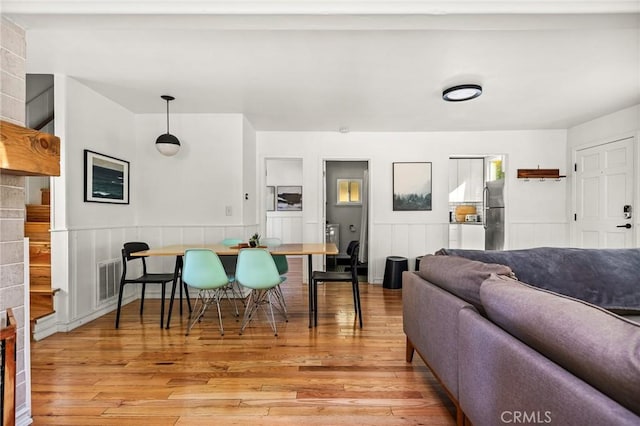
393 270
418 259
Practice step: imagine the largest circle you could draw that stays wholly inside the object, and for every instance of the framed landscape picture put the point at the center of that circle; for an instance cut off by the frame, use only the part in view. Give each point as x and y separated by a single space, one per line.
106 179
411 186
289 198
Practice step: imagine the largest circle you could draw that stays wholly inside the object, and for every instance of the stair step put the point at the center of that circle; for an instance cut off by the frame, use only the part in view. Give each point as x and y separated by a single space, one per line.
40 275
41 305
37 231
38 213
39 252
45 196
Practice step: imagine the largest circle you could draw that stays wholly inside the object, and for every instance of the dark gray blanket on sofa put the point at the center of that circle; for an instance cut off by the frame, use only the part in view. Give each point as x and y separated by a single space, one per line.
609 278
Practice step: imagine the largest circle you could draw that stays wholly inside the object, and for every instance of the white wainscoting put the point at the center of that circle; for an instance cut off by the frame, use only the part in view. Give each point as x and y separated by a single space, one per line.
76 303
407 240
526 235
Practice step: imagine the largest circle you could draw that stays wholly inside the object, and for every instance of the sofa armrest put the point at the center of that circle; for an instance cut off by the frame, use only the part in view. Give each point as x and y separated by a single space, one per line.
501 377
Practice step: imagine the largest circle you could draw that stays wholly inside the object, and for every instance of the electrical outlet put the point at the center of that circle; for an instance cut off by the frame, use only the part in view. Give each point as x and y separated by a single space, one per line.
227 211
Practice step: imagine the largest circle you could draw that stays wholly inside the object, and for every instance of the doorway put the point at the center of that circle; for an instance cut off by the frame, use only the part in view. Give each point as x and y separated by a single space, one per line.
604 195
346 211
477 202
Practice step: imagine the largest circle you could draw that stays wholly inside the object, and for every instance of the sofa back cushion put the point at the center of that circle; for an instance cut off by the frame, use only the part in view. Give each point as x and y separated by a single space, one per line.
459 276
594 344
608 278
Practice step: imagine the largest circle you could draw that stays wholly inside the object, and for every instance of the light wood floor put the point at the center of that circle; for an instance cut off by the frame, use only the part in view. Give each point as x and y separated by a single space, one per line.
334 374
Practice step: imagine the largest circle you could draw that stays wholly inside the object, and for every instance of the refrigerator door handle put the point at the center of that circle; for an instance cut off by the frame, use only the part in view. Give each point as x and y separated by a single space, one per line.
485 206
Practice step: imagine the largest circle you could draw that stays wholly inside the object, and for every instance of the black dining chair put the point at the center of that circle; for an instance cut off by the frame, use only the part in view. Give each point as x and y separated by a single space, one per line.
144 279
351 276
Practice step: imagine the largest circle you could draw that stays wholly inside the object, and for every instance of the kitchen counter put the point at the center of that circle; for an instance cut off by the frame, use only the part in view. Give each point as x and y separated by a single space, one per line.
465 223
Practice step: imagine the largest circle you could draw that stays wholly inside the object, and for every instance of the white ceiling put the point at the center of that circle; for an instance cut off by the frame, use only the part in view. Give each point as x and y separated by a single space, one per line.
323 69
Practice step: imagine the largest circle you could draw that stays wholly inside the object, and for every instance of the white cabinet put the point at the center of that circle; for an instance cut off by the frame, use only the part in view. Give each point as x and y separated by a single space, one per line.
466 236
472 237
476 179
466 179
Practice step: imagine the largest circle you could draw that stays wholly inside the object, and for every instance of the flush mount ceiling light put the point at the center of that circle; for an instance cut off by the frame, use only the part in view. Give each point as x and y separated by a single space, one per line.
463 92
167 144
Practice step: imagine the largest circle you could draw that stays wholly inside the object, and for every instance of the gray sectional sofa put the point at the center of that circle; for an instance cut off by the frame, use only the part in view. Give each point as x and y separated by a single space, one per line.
508 351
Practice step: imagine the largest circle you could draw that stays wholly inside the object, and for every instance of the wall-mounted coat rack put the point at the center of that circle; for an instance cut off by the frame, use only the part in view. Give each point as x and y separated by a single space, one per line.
541 174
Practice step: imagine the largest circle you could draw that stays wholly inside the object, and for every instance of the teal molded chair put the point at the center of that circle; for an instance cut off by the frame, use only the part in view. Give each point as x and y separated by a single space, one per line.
283 267
204 271
257 271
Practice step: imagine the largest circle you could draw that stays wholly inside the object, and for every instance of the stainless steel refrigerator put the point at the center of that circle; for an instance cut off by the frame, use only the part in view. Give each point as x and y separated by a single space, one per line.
493 217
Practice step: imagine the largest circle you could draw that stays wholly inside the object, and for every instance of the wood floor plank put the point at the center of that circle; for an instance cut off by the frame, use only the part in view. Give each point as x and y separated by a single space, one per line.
334 374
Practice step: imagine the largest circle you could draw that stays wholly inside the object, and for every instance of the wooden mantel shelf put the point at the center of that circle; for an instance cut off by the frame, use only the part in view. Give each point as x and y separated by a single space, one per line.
28 152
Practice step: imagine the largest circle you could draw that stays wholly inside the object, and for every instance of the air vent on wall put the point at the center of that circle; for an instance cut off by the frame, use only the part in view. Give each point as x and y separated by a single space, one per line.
108 279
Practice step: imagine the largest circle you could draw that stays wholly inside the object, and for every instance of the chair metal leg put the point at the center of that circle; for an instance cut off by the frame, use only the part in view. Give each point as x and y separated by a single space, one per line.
203 301
235 295
198 311
282 303
273 319
257 299
251 306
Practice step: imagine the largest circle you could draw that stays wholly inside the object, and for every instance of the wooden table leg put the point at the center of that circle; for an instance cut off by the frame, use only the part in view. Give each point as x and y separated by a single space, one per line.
311 295
176 273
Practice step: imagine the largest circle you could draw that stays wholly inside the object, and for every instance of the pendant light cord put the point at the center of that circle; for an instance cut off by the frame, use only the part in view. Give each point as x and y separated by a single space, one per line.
167 116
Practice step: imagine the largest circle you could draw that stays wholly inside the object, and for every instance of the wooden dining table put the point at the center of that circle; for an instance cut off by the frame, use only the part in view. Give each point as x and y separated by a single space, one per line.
291 249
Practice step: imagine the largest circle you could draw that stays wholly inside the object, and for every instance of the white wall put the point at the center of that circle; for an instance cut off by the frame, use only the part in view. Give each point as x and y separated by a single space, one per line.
180 199
286 225
535 214
196 185
607 128
249 175
86 233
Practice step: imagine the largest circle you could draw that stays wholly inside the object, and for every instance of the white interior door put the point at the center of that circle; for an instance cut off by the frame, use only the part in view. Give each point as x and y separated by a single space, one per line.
604 185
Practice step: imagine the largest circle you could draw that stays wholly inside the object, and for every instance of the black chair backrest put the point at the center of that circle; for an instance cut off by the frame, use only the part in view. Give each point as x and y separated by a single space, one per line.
133 247
351 246
354 249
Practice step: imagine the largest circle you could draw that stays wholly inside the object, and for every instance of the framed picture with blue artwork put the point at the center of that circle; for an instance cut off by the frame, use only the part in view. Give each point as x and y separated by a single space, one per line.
106 179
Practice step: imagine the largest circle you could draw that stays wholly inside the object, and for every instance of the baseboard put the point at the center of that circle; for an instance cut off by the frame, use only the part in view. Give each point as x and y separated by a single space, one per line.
50 325
45 327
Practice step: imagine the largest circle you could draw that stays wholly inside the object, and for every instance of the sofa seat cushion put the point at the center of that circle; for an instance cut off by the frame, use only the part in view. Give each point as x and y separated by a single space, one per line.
459 276
601 348
608 278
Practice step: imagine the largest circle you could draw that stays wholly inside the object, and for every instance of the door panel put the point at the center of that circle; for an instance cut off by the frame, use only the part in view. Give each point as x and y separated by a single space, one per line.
604 184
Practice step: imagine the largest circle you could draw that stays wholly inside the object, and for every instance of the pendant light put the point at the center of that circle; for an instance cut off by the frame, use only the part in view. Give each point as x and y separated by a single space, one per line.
167 144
